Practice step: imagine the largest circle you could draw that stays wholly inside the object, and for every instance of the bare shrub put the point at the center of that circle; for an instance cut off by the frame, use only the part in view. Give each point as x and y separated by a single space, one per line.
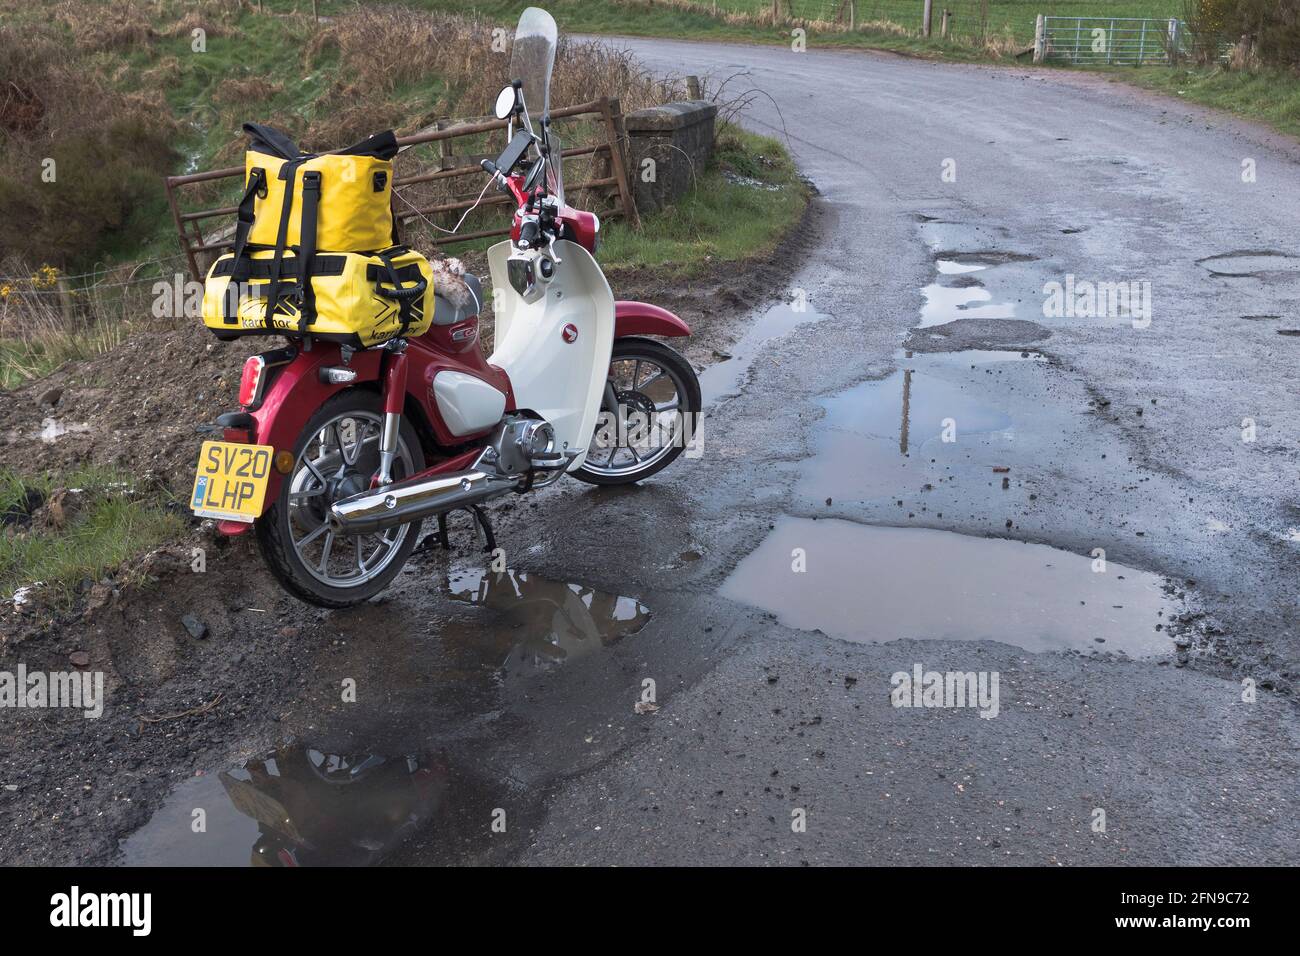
104 149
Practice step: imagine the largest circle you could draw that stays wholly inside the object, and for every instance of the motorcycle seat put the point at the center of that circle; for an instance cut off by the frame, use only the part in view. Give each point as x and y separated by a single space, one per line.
458 304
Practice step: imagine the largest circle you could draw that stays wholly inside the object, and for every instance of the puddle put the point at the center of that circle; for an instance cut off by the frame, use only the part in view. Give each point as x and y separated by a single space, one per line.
1251 263
947 267
545 623
875 584
296 806
945 304
884 438
723 379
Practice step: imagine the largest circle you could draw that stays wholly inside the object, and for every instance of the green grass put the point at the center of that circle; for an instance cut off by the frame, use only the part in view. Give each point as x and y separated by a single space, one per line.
694 20
741 207
1267 96
110 528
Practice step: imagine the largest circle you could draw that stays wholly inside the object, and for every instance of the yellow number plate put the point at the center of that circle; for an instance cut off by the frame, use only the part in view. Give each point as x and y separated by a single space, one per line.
230 481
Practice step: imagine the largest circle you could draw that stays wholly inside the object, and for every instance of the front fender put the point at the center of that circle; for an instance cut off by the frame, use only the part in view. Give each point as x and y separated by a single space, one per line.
642 318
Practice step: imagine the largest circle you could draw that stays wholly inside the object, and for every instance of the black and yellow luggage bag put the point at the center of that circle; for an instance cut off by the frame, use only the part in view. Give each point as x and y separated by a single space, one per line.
314 249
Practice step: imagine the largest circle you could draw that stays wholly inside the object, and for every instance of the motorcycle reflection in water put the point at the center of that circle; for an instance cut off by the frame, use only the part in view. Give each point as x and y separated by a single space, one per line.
313 808
549 622
317 809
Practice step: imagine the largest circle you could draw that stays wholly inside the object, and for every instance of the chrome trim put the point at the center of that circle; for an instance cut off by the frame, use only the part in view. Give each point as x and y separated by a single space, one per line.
416 499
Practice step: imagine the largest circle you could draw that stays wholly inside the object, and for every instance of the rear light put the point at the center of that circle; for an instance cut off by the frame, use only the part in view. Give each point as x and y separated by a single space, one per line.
250 382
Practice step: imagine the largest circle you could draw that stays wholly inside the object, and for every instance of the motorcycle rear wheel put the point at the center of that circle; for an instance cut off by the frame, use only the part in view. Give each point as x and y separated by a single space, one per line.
334 458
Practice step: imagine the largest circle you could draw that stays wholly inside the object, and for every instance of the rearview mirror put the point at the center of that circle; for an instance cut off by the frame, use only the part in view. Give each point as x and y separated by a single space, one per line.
506 101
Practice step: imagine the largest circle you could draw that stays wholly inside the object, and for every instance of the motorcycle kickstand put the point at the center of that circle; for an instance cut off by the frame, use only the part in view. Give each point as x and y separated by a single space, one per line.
480 518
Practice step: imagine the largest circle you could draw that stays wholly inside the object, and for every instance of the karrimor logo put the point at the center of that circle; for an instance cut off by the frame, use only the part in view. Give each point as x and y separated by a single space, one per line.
75 908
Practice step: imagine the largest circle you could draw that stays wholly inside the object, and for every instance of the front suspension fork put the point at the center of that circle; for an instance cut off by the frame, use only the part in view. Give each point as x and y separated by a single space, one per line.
394 401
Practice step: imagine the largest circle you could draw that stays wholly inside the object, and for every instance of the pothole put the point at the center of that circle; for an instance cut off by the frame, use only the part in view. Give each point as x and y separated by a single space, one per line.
1251 263
879 584
975 333
724 379
539 623
882 438
296 806
984 258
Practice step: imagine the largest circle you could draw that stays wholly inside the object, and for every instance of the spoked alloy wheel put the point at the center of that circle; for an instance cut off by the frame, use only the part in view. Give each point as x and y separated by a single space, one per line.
336 457
658 395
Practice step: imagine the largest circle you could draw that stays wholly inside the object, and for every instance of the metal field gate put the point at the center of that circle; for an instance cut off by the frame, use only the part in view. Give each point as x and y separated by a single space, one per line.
1107 41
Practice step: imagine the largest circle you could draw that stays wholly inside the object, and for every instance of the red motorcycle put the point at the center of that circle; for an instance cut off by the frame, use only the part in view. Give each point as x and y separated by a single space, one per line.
343 453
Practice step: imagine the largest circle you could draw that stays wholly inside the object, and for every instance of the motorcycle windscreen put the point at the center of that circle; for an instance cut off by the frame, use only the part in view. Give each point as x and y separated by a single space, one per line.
532 57
555 169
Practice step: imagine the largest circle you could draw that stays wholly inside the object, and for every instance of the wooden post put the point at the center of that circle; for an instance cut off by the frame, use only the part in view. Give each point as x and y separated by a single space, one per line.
693 88
608 108
315 11
180 229
945 24
1040 39
65 301
853 15
776 11
925 19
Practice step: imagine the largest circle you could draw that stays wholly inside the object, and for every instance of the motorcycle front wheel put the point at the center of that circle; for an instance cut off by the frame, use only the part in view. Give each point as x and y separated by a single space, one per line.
658 398
334 458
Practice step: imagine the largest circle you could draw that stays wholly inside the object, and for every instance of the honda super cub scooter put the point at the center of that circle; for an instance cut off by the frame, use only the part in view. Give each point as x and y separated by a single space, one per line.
338 454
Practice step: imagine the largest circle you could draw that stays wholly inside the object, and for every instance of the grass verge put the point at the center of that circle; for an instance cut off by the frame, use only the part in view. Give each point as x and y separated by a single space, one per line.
88 525
740 208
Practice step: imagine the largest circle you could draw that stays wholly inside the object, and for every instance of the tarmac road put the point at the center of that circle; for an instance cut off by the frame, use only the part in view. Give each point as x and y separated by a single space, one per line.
959 494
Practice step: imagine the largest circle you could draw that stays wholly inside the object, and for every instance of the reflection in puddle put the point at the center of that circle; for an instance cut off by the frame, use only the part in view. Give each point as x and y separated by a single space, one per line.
294 807
722 380
874 584
546 622
947 267
879 438
945 303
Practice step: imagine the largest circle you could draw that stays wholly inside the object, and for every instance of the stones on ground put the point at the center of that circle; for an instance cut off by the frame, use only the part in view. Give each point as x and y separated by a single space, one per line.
196 628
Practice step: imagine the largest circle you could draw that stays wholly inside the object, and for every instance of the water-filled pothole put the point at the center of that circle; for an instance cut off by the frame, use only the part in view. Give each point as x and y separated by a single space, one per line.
878 584
724 378
296 806
539 623
1254 263
882 438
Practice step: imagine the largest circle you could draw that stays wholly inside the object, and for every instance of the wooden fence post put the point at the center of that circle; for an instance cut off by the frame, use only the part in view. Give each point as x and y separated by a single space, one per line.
608 108
1040 39
925 19
945 24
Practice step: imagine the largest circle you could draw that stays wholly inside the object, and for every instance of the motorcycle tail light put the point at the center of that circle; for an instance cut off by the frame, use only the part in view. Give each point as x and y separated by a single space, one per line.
250 381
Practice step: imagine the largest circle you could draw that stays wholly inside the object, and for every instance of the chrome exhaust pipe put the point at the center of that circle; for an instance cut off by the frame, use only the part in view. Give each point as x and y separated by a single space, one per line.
415 499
